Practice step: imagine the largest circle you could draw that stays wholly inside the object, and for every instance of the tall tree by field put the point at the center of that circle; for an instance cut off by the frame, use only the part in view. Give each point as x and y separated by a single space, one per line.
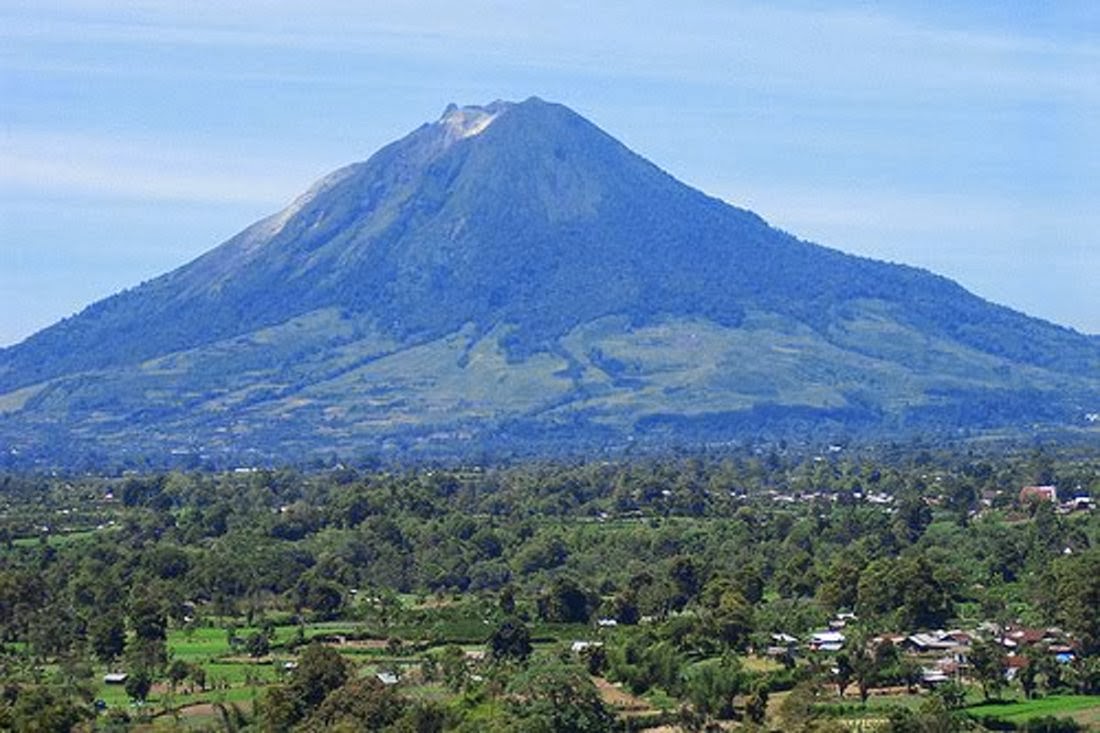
1078 597
552 697
511 640
988 661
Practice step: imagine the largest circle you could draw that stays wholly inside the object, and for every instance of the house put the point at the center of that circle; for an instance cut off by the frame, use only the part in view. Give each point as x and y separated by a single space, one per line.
1027 637
1077 504
827 641
841 620
932 641
961 637
1039 493
579 647
115 678
386 678
934 676
1013 664
783 645
1031 637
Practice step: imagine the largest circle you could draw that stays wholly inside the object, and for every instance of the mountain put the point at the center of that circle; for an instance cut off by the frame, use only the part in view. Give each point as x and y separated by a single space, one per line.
511 277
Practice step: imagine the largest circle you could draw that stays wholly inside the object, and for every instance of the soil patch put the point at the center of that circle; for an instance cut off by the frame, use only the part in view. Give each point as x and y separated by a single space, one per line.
620 699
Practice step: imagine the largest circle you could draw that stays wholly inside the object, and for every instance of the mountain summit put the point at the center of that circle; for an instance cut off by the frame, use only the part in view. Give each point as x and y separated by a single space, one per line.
511 276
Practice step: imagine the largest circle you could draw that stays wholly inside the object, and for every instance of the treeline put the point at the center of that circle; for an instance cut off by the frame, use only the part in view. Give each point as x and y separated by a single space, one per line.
803 536
706 558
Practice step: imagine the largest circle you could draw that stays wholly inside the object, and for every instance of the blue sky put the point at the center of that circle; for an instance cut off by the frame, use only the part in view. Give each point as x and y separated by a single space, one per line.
134 136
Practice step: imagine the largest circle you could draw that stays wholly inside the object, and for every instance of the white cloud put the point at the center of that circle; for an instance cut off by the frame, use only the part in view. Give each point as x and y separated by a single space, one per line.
38 163
853 52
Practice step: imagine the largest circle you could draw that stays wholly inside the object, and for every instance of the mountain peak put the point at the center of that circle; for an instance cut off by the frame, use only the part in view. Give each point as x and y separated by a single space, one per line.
513 265
462 122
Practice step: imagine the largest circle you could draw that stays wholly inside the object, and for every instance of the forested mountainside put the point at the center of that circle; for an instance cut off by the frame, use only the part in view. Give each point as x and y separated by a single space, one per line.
513 278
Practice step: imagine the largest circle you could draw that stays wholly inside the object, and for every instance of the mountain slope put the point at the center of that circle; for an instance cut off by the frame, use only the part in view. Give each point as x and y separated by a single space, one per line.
511 270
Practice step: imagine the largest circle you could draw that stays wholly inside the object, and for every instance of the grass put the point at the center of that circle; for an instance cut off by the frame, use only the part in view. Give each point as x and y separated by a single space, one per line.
660 700
852 709
199 644
1020 711
115 695
760 664
57 539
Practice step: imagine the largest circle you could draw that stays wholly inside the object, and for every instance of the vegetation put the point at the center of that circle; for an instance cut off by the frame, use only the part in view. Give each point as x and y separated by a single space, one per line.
537 288
590 597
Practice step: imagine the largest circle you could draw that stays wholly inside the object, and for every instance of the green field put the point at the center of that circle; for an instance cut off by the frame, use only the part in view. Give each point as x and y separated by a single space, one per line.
1083 708
57 539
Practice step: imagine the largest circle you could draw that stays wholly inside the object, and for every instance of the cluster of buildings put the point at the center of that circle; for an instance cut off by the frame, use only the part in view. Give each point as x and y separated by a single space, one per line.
1029 494
942 655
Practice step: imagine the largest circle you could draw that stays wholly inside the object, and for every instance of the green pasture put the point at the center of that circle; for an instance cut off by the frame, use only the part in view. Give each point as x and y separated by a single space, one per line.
58 539
1020 711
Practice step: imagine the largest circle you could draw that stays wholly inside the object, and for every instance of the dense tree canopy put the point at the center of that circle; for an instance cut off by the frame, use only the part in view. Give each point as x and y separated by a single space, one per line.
680 567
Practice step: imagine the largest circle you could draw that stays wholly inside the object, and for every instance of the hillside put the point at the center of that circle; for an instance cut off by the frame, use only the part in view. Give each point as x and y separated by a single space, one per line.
512 278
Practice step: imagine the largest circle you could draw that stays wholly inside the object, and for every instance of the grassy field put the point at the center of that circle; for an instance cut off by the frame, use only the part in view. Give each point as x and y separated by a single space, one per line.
58 539
233 676
1084 709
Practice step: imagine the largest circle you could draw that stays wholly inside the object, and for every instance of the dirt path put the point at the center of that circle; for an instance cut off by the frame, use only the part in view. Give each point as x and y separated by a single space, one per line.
622 700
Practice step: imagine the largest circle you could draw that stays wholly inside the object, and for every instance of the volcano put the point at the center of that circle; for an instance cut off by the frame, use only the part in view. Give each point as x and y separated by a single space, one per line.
510 278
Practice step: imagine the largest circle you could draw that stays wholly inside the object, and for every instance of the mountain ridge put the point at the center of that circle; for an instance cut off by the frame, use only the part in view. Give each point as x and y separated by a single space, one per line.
505 239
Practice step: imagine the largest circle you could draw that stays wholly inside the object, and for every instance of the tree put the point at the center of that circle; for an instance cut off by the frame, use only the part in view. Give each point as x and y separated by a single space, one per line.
324 597
198 675
552 697
279 709
712 685
361 704
756 707
685 575
510 641
910 671
1077 590
565 601
1051 671
878 589
320 671
178 671
507 600
733 619
137 685
148 650
1051 724
423 717
1085 672
839 586
624 607
951 694
866 665
44 710
257 644
912 517
988 662
107 636
926 602
933 716
1027 677
843 673
452 664
750 582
